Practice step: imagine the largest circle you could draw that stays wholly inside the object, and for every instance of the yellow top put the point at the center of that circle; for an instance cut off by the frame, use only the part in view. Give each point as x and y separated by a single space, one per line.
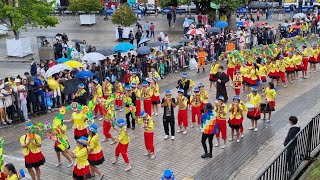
214 68
81 160
262 70
255 100
137 92
79 120
108 89
98 92
149 126
94 144
237 79
297 59
134 79
236 114
80 93
282 66
155 89
204 96
195 100
270 94
153 75
289 61
273 67
305 52
124 137
244 71
64 135
224 110
110 114
244 106
34 149
253 74
13 177
119 88
183 102
146 92
231 63
314 52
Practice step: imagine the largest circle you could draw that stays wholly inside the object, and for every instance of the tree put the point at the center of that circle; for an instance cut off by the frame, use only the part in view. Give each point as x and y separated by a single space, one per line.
86 6
18 14
124 16
168 3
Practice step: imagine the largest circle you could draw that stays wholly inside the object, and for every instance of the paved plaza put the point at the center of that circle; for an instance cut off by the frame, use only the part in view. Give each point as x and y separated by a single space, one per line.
241 161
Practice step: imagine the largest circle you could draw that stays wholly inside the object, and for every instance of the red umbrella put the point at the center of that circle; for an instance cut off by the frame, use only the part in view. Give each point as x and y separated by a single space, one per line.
296 27
195 31
258 24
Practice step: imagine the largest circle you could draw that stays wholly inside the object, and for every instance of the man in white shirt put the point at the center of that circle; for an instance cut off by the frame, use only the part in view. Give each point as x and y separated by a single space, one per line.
186 25
8 102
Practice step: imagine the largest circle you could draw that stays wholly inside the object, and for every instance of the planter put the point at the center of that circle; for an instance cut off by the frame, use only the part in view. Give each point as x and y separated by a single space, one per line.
87 19
19 47
126 31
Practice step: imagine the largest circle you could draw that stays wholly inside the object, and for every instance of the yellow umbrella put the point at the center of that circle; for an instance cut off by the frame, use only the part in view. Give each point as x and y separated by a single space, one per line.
74 64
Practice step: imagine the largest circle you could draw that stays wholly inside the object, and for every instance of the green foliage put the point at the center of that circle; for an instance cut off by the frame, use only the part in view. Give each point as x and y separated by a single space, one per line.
32 12
315 171
231 4
167 3
86 6
184 2
124 16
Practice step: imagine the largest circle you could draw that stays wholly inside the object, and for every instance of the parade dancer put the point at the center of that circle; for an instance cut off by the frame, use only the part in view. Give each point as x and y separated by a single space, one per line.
31 148
208 129
214 70
297 57
201 59
237 82
313 58
122 147
290 69
119 90
168 103
109 118
186 85
235 118
9 173
254 114
148 127
305 60
270 95
155 97
221 110
282 70
231 68
182 103
134 78
244 110
95 154
97 95
107 88
130 100
262 72
195 102
203 96
146 94
79 122
81 169
137 92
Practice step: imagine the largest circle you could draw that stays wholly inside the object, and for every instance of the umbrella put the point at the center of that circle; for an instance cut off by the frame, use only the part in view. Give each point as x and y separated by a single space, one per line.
56 69
143 50
77 41
214 30
296 27
123 47
143 40
258 24
155 44
186 41
74 64
62 60
84 74
221 24
106 52
195 31
190 21
299 16
93 57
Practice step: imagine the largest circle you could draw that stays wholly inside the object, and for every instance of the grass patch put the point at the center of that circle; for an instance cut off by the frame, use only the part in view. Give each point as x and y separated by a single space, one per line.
314 173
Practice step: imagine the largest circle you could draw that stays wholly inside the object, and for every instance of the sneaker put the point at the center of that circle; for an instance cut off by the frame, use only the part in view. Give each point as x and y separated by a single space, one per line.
268 121
192 126
100 119
230 139
4 123
157 114
238 140
105 140
166 137
255 129
147 154
223 147
204 155
70 165
59 164
250 128
127 168
153 114
153 156
121 111
49 111
178 131
242 135
28 120
184 132
172 137
115 161
216 145
113 142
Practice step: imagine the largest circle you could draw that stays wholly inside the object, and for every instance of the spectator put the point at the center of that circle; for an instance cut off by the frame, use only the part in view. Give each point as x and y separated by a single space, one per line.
131 37
166 41
174 16
169 18
23 94
8 103
33 67
120 32
258 13
293 131
147 28
152 28
281 11
138 36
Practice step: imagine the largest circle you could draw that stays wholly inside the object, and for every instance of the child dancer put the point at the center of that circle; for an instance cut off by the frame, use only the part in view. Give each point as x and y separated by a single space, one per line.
155 97
78 119
237 81
146 94
97 94
213 72
148 127
182 103
203 96
236 118
221 110
195 106
137 92
107 123
119 90
305 59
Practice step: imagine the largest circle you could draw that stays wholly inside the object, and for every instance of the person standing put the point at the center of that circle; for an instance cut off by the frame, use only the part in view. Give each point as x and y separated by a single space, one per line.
146 94
120 33
185 84
195 102
169 18
182 102
201 59
168 104
235 118
147 28
97 94
138 36
221 110
130 100
254 114
222 79
293 131
281 11
207 121
152 28
258 13
148 127
131 37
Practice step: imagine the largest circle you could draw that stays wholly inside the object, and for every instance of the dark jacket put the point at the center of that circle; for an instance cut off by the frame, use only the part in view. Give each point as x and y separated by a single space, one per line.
293 131
33 69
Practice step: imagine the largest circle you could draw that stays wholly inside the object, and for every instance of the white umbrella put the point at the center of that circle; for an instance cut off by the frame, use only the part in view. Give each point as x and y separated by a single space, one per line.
93 57
299 16
56 69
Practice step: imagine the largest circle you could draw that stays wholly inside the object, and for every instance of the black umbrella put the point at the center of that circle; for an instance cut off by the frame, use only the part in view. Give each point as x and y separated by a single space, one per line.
155 44
214 30
77 41
106 52
143 50
186 41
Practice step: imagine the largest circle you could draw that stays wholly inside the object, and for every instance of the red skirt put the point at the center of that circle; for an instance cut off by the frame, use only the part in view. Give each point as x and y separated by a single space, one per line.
213 78
237 67
235 123
318 58
155 99
272 105
248 64
313 60
252 82
305 63
80 174
230 72
289 69
263 78
34 160
244 80
78 133
96 159
298 67
254 114
274 75
106 97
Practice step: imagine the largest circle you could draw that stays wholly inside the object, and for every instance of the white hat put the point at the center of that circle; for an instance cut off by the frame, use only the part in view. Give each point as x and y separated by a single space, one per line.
17 80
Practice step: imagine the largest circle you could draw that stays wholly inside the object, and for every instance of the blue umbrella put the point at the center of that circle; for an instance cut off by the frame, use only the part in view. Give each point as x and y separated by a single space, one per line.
123 47
143 40
62 60
143 50
190 21
221 24
84 74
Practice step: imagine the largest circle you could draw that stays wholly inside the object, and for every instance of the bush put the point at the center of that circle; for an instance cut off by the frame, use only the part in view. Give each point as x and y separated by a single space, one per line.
315 171
87 6
124 16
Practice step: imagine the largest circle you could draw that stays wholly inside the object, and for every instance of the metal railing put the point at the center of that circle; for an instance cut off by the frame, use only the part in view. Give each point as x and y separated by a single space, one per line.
297 151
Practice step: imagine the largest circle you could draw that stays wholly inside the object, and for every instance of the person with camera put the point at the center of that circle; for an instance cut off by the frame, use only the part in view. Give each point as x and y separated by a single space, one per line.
7 100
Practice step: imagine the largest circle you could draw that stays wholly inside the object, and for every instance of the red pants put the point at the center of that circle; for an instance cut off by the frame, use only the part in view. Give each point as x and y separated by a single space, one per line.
305 62
138 108
99 108
147 106
183 117
122 149
222 128
106 129
230 72
106 97
119 103
148 141
237 91
196 111
283 77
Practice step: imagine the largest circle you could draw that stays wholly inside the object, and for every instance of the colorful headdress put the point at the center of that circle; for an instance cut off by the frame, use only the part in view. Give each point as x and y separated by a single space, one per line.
121 122
83 140
93 128
180 90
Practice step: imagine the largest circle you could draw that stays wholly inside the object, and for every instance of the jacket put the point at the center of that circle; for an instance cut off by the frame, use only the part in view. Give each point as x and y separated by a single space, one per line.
293 131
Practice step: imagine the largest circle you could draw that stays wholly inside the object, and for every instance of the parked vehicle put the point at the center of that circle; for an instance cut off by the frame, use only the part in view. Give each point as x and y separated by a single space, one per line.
259 5
192 7
151 8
